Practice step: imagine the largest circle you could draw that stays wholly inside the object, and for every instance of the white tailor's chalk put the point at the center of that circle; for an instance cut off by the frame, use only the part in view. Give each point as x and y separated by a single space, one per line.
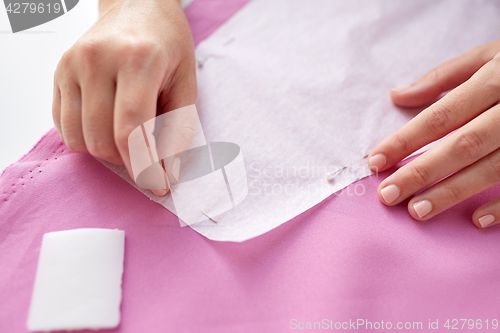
78 280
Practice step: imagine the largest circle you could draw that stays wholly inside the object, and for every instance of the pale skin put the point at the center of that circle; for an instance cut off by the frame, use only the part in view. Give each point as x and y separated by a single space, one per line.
138 60
471 154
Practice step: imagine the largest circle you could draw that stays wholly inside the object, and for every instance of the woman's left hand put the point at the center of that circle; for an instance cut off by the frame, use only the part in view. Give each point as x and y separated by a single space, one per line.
469 157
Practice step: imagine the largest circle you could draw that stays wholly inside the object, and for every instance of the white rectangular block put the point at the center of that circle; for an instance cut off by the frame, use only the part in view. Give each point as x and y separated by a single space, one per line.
78 280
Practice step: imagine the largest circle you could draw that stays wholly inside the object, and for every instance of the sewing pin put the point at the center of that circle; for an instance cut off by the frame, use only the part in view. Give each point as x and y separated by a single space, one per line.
331 175
209 217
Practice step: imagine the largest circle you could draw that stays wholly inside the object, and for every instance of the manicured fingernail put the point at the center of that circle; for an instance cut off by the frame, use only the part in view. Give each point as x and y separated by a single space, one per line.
390 193
486 220
422 208
176 168
159 193
377 161
400 89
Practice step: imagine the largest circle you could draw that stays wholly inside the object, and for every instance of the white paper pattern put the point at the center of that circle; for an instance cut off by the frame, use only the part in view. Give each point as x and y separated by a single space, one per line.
303 88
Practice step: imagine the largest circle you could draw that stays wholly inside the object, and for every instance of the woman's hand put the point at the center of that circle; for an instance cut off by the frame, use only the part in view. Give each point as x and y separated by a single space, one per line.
137 57
471 155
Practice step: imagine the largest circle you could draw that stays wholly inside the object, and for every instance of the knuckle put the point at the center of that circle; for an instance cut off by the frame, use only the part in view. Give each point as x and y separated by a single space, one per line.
187 133
493 69
130 115
469 145
143 48
454 194
401 143
479 51
493 73
139 51
75 145
89 50
439 118
494 166
100 149
434 74
66 59
419 175
476 49
495 63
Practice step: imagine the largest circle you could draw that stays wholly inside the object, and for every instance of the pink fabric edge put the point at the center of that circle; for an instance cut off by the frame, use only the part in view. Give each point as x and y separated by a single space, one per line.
29 152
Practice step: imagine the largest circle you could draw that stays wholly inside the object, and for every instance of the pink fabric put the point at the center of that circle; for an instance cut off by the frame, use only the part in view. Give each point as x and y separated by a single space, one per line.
205 16
348 258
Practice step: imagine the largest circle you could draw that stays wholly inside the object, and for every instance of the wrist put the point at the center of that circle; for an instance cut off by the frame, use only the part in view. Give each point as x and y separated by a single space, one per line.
106 5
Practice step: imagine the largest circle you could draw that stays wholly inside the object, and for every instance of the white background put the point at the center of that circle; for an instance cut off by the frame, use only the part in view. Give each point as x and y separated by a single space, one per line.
27 63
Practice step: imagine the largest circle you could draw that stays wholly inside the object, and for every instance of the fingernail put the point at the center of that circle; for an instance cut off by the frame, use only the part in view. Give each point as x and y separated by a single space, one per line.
377 161
486 220
390 193
422 208
400 89
159 193
176 168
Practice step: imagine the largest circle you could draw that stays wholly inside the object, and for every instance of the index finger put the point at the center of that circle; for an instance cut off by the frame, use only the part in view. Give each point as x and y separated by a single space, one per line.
446 115
135 103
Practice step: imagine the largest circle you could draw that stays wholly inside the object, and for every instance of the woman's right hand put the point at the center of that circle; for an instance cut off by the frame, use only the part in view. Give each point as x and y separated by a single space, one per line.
137 57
